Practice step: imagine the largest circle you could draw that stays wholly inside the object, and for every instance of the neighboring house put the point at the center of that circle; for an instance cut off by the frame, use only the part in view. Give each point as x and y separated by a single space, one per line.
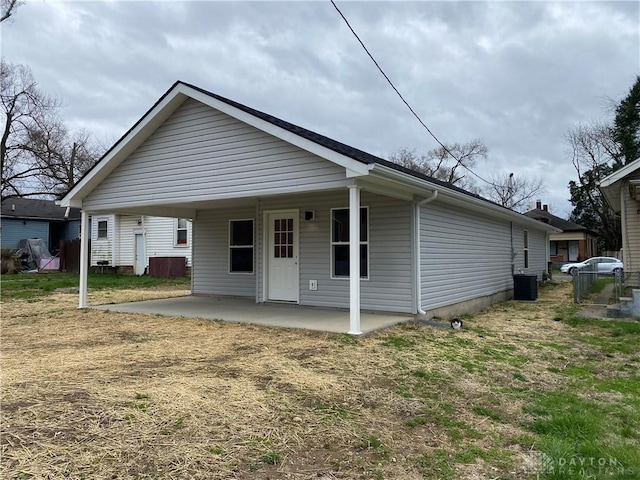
574 244
128 241
283 214
31 218
621 189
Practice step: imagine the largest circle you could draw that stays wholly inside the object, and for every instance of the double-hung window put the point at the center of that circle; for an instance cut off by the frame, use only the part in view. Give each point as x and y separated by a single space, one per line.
241 246
181 236
340 242
526 248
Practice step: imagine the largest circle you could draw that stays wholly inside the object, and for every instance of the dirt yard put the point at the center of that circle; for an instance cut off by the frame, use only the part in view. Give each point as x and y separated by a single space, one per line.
102 395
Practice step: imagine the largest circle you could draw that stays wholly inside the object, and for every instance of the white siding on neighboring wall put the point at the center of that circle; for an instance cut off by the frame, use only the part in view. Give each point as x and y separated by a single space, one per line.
210 272
126 240
102 248
389 287
463 255
118 248
216 156
160 235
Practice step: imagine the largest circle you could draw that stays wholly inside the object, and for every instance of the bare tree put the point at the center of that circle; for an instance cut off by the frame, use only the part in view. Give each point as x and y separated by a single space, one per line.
595 155
512 191
39 156
23 106
7 9
440 164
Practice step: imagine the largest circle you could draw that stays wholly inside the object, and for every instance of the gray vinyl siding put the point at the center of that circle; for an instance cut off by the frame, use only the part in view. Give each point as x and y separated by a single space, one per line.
537 251
389 287
463 256
199 153
210 271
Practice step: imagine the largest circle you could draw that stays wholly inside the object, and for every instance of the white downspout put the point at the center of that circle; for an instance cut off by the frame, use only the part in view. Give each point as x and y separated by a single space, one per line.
84 258
416 243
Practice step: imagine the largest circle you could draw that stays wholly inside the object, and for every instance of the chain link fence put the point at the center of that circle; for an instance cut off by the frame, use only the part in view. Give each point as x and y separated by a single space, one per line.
622 282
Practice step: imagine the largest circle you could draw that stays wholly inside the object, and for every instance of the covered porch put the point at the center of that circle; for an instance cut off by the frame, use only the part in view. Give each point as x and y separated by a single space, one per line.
245 310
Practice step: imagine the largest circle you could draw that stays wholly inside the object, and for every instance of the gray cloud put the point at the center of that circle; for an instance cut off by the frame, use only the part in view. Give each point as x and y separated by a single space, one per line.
517 75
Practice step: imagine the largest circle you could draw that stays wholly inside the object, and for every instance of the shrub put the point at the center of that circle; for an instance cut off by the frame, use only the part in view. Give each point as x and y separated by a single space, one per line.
9 262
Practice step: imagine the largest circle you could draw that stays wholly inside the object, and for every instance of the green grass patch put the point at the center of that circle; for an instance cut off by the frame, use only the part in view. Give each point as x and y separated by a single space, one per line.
398 342
34 285
487 412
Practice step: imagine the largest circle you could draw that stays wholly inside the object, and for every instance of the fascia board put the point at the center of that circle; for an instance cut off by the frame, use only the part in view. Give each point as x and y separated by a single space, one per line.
460 199
353 167
620 174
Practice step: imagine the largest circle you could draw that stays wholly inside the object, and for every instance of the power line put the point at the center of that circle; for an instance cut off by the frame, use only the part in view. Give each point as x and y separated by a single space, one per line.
458 161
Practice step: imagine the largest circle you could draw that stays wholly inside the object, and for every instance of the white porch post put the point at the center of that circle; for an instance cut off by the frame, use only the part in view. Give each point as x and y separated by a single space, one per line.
354 260
85 231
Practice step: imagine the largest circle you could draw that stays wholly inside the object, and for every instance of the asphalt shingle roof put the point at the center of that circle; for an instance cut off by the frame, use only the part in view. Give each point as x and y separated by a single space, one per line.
549 218
35 209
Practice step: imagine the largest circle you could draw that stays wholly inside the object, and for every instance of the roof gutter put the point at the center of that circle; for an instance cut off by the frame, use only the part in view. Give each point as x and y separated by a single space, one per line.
462 199
416 251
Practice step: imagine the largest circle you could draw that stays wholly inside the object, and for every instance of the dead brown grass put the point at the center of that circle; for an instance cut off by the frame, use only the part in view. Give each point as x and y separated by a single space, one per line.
95 394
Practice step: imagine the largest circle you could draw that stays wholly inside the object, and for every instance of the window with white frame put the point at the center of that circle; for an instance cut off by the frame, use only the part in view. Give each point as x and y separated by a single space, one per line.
241 246
525 239
181 235
340 242
102 228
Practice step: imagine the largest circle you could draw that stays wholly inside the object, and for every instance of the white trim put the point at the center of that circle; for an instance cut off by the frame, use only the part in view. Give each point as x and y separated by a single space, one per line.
84 259
332 275
620 174
253 246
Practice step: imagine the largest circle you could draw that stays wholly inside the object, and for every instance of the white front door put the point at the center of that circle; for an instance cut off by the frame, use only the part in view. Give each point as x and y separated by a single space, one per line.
573 250
139 263
282 256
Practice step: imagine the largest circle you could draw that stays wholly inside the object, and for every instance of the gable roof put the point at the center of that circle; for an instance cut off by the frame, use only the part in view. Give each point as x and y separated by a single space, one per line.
35 209
550 219
334 145
355 161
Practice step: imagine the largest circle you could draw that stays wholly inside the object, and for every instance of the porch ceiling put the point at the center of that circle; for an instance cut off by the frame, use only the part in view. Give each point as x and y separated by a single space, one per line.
245 310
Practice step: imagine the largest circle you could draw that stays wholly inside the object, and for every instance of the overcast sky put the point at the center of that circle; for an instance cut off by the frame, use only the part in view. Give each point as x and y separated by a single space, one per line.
516 75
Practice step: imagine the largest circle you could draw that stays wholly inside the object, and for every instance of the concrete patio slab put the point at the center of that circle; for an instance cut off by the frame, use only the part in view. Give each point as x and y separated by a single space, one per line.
245 310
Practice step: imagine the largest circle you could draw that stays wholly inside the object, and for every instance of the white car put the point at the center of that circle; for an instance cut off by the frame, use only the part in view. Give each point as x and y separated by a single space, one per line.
603 265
